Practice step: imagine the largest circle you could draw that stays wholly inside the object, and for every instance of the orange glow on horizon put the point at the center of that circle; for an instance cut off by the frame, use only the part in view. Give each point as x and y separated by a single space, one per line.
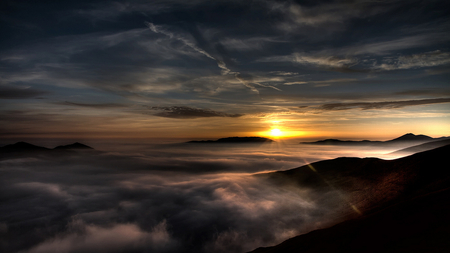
278 133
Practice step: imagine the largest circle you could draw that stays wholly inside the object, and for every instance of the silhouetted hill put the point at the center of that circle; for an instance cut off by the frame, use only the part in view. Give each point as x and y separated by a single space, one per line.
236 140
75 145
412 137
407 138
422 147
404 202
22 147
341 142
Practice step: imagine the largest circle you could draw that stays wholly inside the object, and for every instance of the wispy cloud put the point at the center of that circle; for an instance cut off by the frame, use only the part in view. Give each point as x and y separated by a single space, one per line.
325 61
319 60
283 73
91 105
333 61
389 46
159 29
221 64
381 105
332 16
322 83
428 59
184 112
298 82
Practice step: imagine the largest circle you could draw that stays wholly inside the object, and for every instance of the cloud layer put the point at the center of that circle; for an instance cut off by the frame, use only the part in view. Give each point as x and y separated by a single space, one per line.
157 199
382 105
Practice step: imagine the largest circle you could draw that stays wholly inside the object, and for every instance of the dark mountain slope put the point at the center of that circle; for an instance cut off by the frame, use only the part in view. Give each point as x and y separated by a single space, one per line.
405 203
417 225
422 147
369 182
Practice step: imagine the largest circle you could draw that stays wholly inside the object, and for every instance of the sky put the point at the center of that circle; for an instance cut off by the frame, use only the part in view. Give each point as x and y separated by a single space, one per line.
212 69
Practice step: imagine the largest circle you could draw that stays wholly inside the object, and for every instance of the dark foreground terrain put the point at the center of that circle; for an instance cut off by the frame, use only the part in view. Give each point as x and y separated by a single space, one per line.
405 204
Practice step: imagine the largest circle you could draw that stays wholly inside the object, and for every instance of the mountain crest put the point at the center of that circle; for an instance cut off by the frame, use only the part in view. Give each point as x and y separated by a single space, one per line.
406 138
75 145
412 137
22 146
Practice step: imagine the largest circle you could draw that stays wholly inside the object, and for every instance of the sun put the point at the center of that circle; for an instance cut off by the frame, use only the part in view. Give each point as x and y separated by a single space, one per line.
276 132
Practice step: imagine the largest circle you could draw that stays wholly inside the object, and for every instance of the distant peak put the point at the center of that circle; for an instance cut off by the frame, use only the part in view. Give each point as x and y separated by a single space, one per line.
22 143
22 146
75 145
412 137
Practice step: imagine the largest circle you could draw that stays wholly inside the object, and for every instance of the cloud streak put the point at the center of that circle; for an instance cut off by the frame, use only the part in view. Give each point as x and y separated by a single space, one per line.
381 105
221 64
319 60
157 29
423 60
184 112
91 105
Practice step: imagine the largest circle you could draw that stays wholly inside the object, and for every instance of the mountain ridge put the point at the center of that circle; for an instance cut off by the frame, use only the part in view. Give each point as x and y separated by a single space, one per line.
422 147
21 149
406 138
385 191
75 145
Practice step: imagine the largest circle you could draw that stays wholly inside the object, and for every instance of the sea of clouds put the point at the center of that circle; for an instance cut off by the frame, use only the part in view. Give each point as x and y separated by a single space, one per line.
164 198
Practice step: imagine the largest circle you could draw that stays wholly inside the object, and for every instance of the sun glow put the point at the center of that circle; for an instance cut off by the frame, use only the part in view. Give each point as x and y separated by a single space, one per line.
279 129
276 132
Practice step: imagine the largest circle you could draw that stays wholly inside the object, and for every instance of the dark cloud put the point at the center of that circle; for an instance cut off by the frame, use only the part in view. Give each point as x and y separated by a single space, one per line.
8 92
175 50
323 61
381 105
184 112
425 92
100 106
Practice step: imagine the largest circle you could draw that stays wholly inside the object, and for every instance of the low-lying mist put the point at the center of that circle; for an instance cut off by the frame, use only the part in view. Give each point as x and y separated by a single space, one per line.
166 198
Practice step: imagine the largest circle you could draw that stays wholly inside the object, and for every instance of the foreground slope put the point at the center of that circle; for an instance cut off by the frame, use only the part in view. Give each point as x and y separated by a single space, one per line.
405 204
417 225
422 147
